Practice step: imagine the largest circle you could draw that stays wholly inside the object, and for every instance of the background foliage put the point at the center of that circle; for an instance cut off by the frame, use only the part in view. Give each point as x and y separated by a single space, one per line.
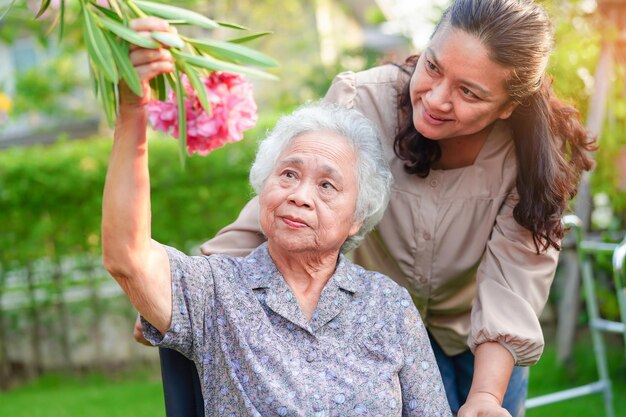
50 197
579 33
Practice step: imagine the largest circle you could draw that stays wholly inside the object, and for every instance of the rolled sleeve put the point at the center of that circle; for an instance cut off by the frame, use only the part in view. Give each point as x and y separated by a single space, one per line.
513 283
192 289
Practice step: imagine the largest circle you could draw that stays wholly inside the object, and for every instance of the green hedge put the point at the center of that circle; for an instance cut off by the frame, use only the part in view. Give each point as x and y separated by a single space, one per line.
51 196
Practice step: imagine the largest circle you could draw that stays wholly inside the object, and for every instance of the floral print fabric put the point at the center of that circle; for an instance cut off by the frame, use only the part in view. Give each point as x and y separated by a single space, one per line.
365 351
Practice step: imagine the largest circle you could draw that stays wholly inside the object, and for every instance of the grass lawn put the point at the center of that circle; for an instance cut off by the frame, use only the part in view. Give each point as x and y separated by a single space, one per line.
548 376
95 395
140 393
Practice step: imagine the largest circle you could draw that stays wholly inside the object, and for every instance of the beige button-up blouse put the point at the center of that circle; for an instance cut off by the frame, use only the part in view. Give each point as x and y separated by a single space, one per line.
449 238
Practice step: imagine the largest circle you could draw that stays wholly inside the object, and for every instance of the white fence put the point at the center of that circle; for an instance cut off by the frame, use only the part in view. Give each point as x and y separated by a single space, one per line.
65 314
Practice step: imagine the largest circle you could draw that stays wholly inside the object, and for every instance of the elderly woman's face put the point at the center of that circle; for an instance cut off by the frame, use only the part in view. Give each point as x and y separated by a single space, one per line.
308 201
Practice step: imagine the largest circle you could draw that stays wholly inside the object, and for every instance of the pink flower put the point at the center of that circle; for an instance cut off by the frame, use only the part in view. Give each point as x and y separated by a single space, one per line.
233 111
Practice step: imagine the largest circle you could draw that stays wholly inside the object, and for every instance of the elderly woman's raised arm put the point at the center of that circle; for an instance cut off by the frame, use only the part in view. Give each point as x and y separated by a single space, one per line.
139 264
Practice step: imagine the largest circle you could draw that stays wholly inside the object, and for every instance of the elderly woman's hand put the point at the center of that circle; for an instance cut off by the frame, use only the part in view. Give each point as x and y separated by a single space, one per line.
147 62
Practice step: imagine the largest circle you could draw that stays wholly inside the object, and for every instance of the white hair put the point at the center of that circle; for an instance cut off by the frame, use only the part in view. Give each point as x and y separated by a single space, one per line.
372 170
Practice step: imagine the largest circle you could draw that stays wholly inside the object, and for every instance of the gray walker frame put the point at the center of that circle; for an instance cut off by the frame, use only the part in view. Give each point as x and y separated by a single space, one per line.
586 250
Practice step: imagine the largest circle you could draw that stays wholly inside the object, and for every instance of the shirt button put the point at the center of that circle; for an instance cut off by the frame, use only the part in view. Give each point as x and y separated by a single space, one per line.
427 236
434 183
311 356
421 279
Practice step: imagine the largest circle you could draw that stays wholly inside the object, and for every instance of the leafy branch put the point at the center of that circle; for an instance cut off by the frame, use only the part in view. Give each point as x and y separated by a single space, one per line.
107 38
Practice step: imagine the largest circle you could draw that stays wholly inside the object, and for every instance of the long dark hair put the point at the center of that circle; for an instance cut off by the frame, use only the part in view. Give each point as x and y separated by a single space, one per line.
551 144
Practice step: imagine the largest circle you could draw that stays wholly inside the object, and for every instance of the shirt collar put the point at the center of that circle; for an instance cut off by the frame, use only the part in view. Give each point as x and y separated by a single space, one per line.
263 273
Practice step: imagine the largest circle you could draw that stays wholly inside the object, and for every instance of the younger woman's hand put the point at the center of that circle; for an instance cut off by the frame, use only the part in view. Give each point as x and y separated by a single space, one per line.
138 333
147 62
482 405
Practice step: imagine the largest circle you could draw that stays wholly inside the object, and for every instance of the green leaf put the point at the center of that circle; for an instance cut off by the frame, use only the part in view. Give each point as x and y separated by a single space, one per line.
98 47
176 13
217 65
127 34
44 6
182 116
233 52
198 85
53 25
249 38
109 13
122 60
168 38
107 96
133 8
61 20
116 7
158 86
232 25
94 79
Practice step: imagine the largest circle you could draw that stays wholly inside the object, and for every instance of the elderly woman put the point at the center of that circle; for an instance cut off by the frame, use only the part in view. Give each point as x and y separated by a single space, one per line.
295 328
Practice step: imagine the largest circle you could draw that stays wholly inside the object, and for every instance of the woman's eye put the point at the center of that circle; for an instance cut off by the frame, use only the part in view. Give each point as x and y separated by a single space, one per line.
289 174
468 93
431 66
327 186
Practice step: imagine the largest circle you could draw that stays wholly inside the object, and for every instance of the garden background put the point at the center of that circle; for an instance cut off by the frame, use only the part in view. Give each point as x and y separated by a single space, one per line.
66 346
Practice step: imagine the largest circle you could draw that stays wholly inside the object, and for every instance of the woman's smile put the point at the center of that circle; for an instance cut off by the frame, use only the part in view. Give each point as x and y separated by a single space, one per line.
433 119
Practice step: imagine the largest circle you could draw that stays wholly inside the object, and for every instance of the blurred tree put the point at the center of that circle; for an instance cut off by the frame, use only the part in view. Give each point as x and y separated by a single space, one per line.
588 67
53 88
610 175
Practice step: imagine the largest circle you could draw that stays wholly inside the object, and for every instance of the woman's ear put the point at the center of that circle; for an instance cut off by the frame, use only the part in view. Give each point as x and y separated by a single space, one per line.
356 226
508 109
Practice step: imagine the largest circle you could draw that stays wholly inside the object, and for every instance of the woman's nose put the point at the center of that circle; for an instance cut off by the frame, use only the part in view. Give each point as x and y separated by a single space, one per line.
439 98
301 195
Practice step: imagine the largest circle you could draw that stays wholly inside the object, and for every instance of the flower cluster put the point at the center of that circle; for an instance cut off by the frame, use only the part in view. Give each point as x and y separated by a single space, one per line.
233 111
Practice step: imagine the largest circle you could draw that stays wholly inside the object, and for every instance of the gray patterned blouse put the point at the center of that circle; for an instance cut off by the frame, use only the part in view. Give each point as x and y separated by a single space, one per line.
364 352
